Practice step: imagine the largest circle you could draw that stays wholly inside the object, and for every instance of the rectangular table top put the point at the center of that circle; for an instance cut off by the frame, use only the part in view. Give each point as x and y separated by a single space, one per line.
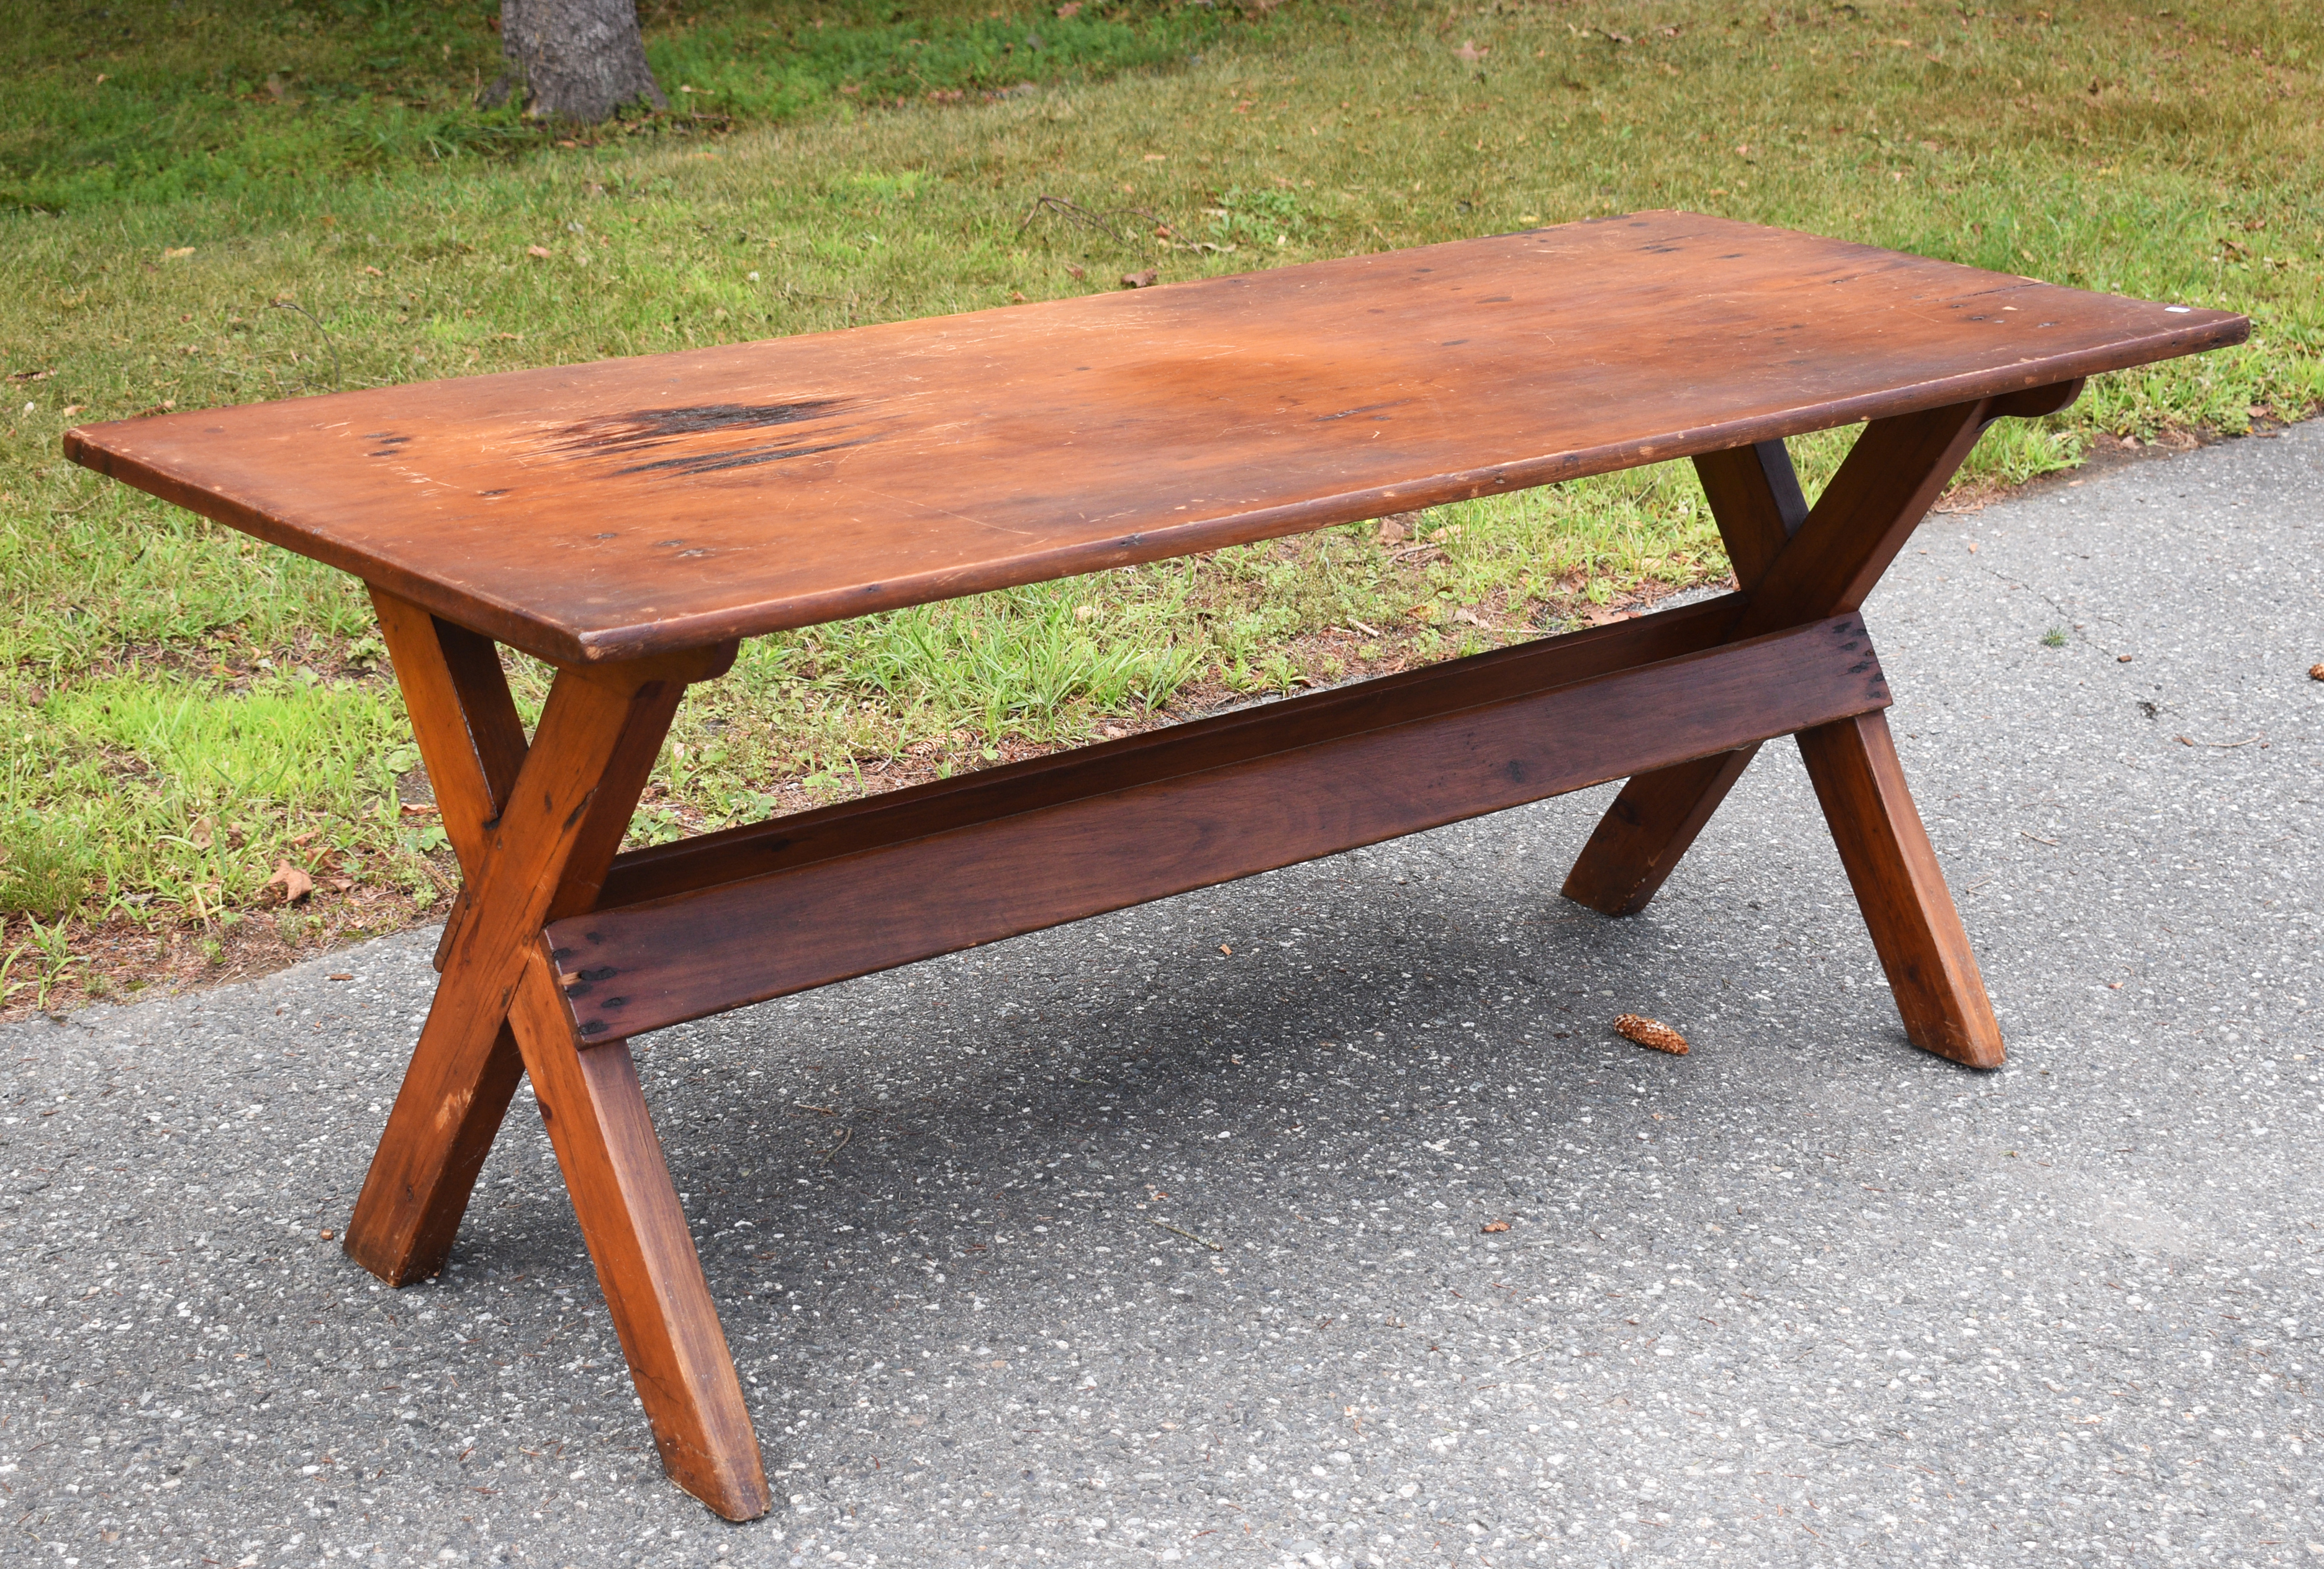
631 506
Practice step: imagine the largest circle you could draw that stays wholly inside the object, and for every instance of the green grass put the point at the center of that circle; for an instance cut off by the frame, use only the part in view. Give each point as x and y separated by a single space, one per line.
158 100
211 242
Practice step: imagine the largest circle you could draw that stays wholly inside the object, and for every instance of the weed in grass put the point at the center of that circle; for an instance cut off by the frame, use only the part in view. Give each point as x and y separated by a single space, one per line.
47 956
43 873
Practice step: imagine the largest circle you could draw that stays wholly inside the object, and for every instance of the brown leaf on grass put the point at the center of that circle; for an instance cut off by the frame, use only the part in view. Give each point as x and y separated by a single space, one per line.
1651 1033
1469 53
294 884
1491 1227
200 833
540 251
1144 280
373 272
1070 8
1075 273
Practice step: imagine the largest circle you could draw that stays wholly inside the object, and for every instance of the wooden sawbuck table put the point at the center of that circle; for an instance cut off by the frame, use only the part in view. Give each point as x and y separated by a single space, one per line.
628 521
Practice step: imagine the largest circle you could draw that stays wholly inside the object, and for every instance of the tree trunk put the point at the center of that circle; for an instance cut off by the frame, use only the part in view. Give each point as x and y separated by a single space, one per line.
577 59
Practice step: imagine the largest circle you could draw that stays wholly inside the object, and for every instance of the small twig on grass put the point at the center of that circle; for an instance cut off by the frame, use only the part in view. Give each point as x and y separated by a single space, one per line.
1075 213
1213 1247
320 328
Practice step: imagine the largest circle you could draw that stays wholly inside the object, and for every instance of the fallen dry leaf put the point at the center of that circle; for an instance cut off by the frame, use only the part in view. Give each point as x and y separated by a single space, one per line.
1139 279
373 272
1470 54
1651 1033
1070 8
540 251
1491 1227
1075 273
294 884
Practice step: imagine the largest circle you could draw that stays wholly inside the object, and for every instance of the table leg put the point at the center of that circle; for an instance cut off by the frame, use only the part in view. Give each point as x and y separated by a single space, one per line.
1755 499
1901 890
535 828
646 1263
452 1101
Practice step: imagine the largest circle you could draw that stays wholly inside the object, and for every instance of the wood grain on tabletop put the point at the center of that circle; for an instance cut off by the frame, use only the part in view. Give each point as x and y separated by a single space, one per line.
609 509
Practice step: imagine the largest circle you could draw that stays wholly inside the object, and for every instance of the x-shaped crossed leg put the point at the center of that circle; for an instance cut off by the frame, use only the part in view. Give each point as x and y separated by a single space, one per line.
1797 565
535 827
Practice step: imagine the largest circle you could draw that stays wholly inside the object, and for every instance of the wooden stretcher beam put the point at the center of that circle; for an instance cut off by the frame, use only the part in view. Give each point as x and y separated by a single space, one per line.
1200 805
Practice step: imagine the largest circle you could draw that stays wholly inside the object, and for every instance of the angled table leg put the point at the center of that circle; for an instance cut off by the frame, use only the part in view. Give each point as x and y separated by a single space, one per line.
645 1258
1901 890
536 828
1755 498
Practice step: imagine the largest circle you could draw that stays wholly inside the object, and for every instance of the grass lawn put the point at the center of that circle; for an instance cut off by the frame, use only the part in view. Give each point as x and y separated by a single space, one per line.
203 205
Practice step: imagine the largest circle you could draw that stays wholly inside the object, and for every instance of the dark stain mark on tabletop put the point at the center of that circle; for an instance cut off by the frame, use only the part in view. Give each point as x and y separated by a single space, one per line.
644 432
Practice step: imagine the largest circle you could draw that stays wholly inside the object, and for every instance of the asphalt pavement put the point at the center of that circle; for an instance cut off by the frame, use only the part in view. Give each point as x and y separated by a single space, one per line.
1177 1236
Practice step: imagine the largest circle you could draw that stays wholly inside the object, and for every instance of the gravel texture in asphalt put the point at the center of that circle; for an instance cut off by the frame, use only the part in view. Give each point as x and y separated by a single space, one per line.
1322 1219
